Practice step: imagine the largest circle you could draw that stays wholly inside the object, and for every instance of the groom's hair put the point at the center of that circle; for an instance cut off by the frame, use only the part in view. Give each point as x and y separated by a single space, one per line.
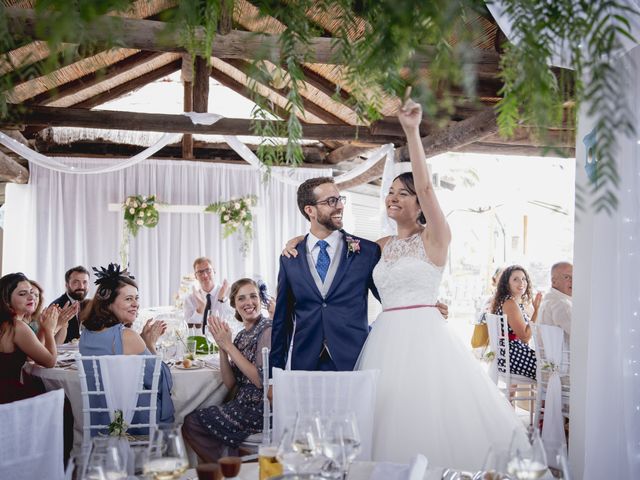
306 195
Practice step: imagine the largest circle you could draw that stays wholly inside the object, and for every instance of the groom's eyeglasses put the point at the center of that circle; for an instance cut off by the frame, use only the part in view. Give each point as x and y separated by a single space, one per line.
333 201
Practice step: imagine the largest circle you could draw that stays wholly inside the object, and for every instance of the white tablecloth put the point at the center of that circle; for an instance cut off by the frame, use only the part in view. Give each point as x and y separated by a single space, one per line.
192 389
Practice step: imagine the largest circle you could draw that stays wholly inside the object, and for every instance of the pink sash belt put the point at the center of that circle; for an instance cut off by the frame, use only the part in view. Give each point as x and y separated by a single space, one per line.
407 307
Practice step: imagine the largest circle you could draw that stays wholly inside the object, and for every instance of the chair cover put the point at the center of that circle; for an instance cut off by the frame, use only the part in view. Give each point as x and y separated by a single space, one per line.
122 377
31 437
296 391
553 435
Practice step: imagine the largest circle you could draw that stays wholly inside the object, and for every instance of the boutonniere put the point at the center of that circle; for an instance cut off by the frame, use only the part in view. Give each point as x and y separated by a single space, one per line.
353 245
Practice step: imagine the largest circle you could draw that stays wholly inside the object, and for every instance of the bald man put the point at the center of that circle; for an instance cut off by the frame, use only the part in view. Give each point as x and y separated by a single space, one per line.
556 305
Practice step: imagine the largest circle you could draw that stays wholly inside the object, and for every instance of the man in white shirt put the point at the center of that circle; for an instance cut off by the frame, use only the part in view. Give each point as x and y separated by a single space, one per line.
556 305
209 297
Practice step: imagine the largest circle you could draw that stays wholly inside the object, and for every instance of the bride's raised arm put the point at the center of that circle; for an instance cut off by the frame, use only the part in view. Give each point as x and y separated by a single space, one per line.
437 235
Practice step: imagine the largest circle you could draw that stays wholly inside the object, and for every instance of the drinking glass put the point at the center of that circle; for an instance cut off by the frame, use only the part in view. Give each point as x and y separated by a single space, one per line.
527 459
268 465
299 451
106 455
166 457
494 466
340 441
230 466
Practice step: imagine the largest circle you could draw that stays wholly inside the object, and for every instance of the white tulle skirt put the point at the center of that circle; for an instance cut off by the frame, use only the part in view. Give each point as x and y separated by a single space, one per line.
433 397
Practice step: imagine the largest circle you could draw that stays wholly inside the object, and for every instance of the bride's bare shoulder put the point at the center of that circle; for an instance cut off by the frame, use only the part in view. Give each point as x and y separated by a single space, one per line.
383 241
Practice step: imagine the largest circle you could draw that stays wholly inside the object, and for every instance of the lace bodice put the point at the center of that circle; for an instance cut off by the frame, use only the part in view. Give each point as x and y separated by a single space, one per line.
405 276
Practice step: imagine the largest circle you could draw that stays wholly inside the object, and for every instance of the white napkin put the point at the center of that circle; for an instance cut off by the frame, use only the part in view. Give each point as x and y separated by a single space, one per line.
212 361
400 471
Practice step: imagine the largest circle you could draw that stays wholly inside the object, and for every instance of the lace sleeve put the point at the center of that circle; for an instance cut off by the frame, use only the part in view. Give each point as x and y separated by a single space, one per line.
263 341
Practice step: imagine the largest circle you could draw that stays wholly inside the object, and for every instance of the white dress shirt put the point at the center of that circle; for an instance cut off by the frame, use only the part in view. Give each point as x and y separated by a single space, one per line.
222 309
332 240
555 309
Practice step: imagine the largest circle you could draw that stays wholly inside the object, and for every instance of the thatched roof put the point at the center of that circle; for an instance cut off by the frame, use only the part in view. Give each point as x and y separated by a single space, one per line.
84 83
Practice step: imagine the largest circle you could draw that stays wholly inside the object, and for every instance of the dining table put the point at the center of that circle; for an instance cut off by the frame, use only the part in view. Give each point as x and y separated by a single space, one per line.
193 388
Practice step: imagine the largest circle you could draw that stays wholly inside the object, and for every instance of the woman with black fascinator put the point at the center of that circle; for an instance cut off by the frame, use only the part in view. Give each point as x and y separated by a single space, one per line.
107 330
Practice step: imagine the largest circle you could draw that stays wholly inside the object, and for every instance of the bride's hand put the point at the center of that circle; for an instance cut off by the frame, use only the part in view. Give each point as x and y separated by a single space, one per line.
290 248
443 308
410 116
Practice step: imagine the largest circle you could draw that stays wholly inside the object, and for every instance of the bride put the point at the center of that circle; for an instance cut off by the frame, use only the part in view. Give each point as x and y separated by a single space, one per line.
433 397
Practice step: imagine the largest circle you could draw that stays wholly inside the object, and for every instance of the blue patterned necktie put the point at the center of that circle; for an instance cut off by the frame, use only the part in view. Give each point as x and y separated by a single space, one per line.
322 264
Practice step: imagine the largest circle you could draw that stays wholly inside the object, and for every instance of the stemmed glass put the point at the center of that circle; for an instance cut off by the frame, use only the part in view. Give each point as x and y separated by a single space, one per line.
106 458
166 457
340 443
299 448
527 460
495 465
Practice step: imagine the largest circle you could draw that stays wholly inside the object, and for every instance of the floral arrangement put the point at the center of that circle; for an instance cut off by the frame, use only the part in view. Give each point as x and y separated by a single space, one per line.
235 215
353 245
118 428
139 212
186 285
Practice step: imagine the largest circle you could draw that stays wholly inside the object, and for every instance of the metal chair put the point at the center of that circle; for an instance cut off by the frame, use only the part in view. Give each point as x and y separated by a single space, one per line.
513 384
116 382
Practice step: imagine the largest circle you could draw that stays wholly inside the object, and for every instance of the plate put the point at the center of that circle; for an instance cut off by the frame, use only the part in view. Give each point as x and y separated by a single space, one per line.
194 366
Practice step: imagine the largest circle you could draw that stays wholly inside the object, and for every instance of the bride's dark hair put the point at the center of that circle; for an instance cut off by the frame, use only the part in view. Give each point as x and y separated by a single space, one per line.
406 179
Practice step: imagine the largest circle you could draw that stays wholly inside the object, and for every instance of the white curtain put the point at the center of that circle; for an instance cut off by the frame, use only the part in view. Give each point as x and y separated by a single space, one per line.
607 311
61 220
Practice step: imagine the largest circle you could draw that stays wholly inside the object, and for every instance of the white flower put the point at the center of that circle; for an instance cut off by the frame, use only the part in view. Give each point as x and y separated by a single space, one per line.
141 214
144 205
135 204
139 222
236 205
149 213
247 223
132 211
243 213
225 218
223 209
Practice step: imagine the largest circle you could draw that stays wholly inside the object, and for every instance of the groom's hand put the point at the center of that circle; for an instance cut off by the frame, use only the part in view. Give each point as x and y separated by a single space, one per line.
443 308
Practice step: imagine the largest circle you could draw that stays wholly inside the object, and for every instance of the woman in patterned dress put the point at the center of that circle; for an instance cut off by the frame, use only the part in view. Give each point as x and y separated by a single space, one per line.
513 298
215 431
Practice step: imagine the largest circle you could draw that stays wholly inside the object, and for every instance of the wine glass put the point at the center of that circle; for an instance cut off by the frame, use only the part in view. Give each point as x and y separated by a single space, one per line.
340 443
527 458
299 450
494 466
107 455
166 457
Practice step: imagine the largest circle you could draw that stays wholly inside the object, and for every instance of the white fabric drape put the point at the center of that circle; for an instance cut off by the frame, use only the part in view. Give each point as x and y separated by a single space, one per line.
121 376
61 220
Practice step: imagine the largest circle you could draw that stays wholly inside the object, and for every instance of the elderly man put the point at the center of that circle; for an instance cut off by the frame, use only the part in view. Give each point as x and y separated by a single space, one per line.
208 298
556 305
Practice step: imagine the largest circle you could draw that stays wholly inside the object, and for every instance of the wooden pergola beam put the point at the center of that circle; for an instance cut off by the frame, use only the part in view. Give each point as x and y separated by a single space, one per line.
146 35
153 122
11 171
467 131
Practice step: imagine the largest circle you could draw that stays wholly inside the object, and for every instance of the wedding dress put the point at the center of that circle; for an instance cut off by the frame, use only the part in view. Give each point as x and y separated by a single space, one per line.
433 397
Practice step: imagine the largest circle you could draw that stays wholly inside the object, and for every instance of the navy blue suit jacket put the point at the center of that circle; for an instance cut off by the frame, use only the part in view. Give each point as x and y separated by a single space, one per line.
340 318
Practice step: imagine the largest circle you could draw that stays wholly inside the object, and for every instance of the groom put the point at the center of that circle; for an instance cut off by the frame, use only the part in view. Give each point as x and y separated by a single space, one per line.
324 289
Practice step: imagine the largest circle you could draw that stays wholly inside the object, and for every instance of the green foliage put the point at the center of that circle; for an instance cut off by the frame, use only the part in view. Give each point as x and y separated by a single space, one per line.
139 212
235 215
591 32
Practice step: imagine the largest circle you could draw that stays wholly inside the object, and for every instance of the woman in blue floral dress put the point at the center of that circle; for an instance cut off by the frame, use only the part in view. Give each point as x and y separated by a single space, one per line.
513 298
215 431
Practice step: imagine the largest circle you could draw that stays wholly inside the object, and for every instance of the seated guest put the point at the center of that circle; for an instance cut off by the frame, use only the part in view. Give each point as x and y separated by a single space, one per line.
76 281
513 298
208 298
210 431
556 305
17 340
107 331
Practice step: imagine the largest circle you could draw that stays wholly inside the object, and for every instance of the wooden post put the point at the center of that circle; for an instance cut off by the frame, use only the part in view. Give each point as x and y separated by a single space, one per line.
187 83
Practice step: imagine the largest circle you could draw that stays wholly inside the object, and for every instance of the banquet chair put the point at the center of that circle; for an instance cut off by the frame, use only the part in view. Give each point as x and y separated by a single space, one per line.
116 382
554 386
253 442
325 393
513 384
31 437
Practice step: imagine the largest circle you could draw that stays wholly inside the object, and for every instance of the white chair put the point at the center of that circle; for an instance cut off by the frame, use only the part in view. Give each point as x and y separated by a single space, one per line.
513 384
116 382
31 437
325 393
253 442
552 402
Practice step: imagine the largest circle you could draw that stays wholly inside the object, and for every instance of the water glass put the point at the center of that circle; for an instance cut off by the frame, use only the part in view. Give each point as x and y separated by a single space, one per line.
268 463
340 442
527 459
